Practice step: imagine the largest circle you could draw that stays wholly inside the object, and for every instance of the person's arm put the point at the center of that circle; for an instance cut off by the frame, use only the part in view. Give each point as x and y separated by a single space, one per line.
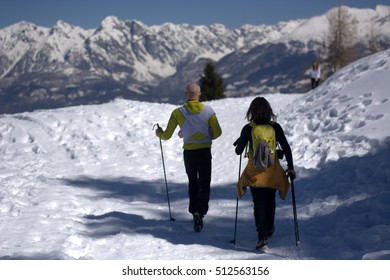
172 124
215 128
241 142
281 139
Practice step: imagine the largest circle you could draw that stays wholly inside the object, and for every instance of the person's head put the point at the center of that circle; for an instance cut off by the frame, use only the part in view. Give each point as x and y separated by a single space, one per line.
260 110
193 91
315 64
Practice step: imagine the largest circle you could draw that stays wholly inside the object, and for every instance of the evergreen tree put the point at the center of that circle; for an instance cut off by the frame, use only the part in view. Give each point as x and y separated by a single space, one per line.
211 84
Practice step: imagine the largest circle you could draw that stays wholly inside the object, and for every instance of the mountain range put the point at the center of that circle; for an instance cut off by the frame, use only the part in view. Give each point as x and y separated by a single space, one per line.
67 65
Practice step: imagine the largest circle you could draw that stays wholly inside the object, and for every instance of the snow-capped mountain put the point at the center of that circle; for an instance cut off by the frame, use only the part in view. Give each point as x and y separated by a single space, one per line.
67 65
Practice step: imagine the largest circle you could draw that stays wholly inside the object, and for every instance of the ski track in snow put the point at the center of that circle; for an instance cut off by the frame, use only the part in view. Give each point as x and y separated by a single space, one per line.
87 182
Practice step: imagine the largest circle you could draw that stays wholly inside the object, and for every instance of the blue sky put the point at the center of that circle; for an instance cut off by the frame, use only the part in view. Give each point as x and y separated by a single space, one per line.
232 13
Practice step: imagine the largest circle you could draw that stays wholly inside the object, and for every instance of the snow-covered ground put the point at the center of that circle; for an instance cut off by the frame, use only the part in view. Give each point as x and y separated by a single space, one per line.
87 182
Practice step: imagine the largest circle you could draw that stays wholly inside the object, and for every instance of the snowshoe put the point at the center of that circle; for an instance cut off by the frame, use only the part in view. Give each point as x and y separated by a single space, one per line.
198 223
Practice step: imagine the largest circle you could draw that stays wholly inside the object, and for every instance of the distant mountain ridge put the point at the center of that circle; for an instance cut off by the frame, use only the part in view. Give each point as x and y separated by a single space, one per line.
66 65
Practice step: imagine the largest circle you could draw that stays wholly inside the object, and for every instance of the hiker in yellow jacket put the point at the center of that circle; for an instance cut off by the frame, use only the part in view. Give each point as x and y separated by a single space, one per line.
263 183
199 126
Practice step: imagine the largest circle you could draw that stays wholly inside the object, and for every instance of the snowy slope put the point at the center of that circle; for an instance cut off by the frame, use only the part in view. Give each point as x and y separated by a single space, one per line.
87 182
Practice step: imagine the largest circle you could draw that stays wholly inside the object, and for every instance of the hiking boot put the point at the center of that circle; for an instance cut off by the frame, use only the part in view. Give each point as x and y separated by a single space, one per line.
198 223
262 244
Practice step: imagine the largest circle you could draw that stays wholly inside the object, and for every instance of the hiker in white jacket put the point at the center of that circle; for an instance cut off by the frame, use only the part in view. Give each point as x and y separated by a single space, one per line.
315 75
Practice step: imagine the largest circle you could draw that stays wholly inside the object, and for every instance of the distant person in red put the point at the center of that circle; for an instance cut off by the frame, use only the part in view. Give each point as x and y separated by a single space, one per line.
315 75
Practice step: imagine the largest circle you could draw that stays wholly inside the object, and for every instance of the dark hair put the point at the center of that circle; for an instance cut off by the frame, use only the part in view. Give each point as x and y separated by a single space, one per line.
260 110
315 65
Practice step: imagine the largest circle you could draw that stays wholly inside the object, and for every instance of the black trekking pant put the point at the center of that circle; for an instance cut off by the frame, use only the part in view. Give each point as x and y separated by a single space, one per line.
314 83
198 168
264 211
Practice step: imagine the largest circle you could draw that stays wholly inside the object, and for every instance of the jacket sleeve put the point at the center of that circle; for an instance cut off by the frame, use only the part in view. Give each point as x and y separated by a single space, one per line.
172 124
243 140
281 139
215 128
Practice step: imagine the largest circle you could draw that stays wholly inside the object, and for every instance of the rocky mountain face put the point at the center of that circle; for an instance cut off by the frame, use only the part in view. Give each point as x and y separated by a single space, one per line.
66 65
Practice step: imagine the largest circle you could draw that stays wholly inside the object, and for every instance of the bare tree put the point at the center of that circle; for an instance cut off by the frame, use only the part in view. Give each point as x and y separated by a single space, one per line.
341 37
374 39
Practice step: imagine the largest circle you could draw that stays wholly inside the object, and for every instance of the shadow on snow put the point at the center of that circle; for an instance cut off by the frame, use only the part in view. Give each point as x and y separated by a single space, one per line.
335 232
151 195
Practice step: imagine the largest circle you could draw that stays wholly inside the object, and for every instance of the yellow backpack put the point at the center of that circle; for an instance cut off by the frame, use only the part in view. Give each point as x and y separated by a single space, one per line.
263 145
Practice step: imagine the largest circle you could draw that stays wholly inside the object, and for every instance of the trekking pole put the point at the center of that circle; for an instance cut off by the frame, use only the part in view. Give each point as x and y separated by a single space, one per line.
235 222
295 213
165 176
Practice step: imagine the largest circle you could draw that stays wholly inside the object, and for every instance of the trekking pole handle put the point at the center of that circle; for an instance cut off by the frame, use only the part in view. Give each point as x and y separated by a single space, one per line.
158 126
